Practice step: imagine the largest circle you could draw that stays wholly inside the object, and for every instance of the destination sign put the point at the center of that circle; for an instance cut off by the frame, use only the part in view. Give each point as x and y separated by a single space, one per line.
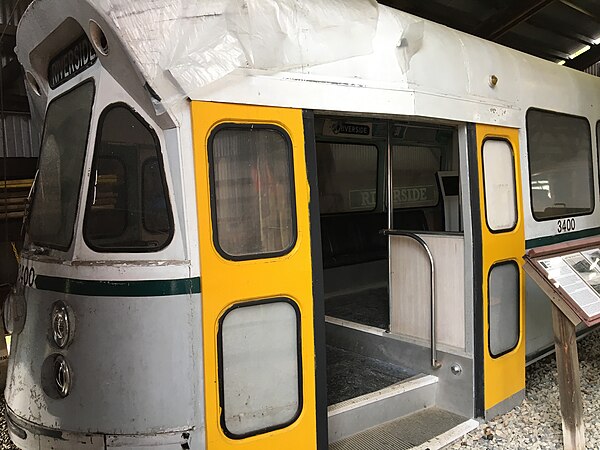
343 128
404 197
71 61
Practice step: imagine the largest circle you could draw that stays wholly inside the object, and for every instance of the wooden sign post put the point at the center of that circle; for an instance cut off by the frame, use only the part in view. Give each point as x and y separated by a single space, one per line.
569 385
569 274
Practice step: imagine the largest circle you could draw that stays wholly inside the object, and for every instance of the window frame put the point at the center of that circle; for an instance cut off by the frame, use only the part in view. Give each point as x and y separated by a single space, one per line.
591 170
213 197
81 176
221 387
513 263
514 173
160 158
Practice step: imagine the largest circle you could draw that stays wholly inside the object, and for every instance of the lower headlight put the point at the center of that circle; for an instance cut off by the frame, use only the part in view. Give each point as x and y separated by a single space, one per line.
62 376
14 313
62 324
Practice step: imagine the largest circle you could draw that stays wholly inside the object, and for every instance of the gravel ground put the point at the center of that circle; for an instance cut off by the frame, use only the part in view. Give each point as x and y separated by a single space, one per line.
536 424
5 442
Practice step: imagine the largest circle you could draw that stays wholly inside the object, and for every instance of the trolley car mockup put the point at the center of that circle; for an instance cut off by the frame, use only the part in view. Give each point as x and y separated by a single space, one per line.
276 224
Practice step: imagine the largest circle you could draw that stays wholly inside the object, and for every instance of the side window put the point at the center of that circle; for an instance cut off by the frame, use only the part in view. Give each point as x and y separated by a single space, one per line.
560 165
128 208
499 185
347 177
251 175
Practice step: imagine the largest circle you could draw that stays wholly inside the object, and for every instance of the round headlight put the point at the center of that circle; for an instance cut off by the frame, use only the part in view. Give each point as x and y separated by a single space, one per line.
62 324
14 312
62 376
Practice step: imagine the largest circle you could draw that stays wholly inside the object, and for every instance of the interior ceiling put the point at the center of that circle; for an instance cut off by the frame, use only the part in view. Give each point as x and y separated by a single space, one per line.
557 30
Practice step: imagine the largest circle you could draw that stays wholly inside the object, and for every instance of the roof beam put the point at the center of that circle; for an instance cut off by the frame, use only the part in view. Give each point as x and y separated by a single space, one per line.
593 12
499 24
559 29
431 10
533 47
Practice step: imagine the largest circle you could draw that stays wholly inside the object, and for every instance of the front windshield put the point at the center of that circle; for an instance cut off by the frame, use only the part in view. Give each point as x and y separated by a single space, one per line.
56 195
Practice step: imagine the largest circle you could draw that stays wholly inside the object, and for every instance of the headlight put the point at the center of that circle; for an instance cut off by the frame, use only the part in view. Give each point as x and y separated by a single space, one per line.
14 313
62 376
62 324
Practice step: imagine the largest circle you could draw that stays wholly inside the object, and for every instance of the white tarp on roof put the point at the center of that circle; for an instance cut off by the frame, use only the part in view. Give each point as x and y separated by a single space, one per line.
197 42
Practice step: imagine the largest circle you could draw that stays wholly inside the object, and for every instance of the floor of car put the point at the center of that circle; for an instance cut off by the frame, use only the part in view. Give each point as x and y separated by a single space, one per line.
350 375
368 307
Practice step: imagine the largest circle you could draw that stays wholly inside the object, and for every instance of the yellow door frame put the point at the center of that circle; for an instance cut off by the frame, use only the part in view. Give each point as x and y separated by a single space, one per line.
226 283
504 375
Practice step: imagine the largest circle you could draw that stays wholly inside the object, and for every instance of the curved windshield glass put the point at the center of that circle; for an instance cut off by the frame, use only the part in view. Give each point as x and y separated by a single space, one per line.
56 195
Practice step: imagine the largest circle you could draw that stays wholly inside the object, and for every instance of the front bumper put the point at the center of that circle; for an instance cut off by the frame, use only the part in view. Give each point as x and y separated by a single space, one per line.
29 436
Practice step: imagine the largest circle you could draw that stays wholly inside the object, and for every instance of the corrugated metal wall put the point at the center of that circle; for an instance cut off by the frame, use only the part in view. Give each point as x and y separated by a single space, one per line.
18 137
594 70
17 126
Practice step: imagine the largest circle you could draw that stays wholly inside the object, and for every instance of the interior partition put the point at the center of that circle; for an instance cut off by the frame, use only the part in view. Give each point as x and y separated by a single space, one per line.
410 305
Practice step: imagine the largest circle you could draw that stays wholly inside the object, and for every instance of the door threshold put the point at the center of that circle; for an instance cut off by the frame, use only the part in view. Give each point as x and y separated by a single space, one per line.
356 326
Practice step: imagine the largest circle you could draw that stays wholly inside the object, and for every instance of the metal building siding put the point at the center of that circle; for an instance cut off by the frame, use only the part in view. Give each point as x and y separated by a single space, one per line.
18 137
593 70
11 12
18 126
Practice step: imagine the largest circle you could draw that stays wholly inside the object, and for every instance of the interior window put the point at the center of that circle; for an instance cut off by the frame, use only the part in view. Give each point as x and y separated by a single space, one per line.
347 177
64 142
128 206
560 164
415 166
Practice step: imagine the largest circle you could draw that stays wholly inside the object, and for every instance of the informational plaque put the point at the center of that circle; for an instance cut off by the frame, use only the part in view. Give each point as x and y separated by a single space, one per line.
572 272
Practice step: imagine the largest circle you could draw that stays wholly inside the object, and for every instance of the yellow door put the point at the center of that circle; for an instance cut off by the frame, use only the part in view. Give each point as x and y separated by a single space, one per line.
258 315
503 246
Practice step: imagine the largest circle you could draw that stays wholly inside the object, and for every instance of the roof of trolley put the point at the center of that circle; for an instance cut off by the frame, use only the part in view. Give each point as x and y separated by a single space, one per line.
343 56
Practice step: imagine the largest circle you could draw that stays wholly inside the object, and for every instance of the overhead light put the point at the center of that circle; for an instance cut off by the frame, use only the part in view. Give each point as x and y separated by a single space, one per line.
580 52
561 62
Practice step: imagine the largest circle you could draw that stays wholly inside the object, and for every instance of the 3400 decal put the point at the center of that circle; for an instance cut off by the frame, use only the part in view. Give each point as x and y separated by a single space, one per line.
26 276
565 225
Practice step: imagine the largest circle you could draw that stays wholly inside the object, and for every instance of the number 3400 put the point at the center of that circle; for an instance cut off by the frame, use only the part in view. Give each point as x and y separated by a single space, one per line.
565 225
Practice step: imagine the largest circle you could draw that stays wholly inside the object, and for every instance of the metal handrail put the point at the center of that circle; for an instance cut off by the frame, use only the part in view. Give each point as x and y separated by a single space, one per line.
434 361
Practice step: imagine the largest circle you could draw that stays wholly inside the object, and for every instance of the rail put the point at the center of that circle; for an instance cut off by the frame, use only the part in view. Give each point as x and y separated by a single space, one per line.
434 361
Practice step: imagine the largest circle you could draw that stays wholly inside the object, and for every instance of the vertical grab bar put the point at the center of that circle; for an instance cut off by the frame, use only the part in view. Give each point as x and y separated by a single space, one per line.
390 217
434 361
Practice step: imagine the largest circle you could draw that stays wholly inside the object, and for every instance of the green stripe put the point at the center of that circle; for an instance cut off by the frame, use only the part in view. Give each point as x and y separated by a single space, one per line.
147 288
557 238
